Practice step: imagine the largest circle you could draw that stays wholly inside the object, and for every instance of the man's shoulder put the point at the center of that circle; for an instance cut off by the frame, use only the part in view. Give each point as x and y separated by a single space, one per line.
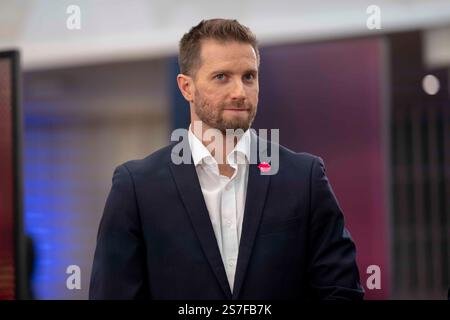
160 159
155 161
290 157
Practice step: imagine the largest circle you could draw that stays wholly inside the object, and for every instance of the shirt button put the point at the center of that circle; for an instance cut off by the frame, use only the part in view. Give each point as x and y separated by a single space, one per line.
228 187
229 223
231 263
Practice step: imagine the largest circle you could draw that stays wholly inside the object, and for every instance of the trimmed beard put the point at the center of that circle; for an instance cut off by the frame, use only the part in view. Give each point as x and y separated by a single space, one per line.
214 118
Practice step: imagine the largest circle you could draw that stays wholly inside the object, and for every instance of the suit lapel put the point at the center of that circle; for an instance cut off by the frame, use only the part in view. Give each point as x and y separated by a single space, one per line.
254 204
187 182
189 188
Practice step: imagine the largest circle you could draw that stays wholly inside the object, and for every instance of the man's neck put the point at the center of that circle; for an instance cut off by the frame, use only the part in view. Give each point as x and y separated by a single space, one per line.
209 141
208 135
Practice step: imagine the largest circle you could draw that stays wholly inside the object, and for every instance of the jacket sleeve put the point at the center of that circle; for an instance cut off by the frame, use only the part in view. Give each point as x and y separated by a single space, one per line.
333 272
119 267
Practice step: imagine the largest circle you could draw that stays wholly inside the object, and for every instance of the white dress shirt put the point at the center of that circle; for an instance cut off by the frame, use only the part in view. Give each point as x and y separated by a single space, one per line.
224 197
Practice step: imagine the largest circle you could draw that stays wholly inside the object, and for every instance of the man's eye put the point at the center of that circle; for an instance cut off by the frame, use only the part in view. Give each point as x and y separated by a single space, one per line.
219 76
249 76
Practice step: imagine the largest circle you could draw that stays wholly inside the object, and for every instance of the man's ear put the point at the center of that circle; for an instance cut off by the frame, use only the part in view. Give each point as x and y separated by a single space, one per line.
186 86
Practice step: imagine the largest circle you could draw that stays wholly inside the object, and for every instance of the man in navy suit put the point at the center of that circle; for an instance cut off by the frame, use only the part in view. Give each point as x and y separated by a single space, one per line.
222 225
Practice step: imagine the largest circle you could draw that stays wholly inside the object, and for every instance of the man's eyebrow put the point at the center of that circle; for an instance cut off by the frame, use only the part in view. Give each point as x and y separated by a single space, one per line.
219 71
224 71
251 70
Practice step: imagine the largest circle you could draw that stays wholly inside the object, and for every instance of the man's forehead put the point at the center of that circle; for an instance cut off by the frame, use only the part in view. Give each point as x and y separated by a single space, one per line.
218 53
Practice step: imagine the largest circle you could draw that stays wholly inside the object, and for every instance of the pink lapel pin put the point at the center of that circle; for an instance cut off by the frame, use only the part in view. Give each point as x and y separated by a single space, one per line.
264 167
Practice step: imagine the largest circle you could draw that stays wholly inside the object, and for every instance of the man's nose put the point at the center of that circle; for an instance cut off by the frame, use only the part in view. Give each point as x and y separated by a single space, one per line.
238 91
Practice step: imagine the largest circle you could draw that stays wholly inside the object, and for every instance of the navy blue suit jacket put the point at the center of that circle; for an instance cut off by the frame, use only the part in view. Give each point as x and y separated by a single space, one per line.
156 241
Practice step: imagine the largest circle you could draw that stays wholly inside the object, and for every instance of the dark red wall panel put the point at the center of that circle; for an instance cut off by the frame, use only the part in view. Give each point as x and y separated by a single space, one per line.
6 184
327 99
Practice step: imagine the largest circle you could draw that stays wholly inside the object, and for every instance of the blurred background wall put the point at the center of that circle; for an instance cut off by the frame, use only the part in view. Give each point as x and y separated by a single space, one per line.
327 99
364 100
80 124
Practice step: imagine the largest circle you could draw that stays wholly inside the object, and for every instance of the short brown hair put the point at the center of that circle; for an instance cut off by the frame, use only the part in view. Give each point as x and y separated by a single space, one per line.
217 29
